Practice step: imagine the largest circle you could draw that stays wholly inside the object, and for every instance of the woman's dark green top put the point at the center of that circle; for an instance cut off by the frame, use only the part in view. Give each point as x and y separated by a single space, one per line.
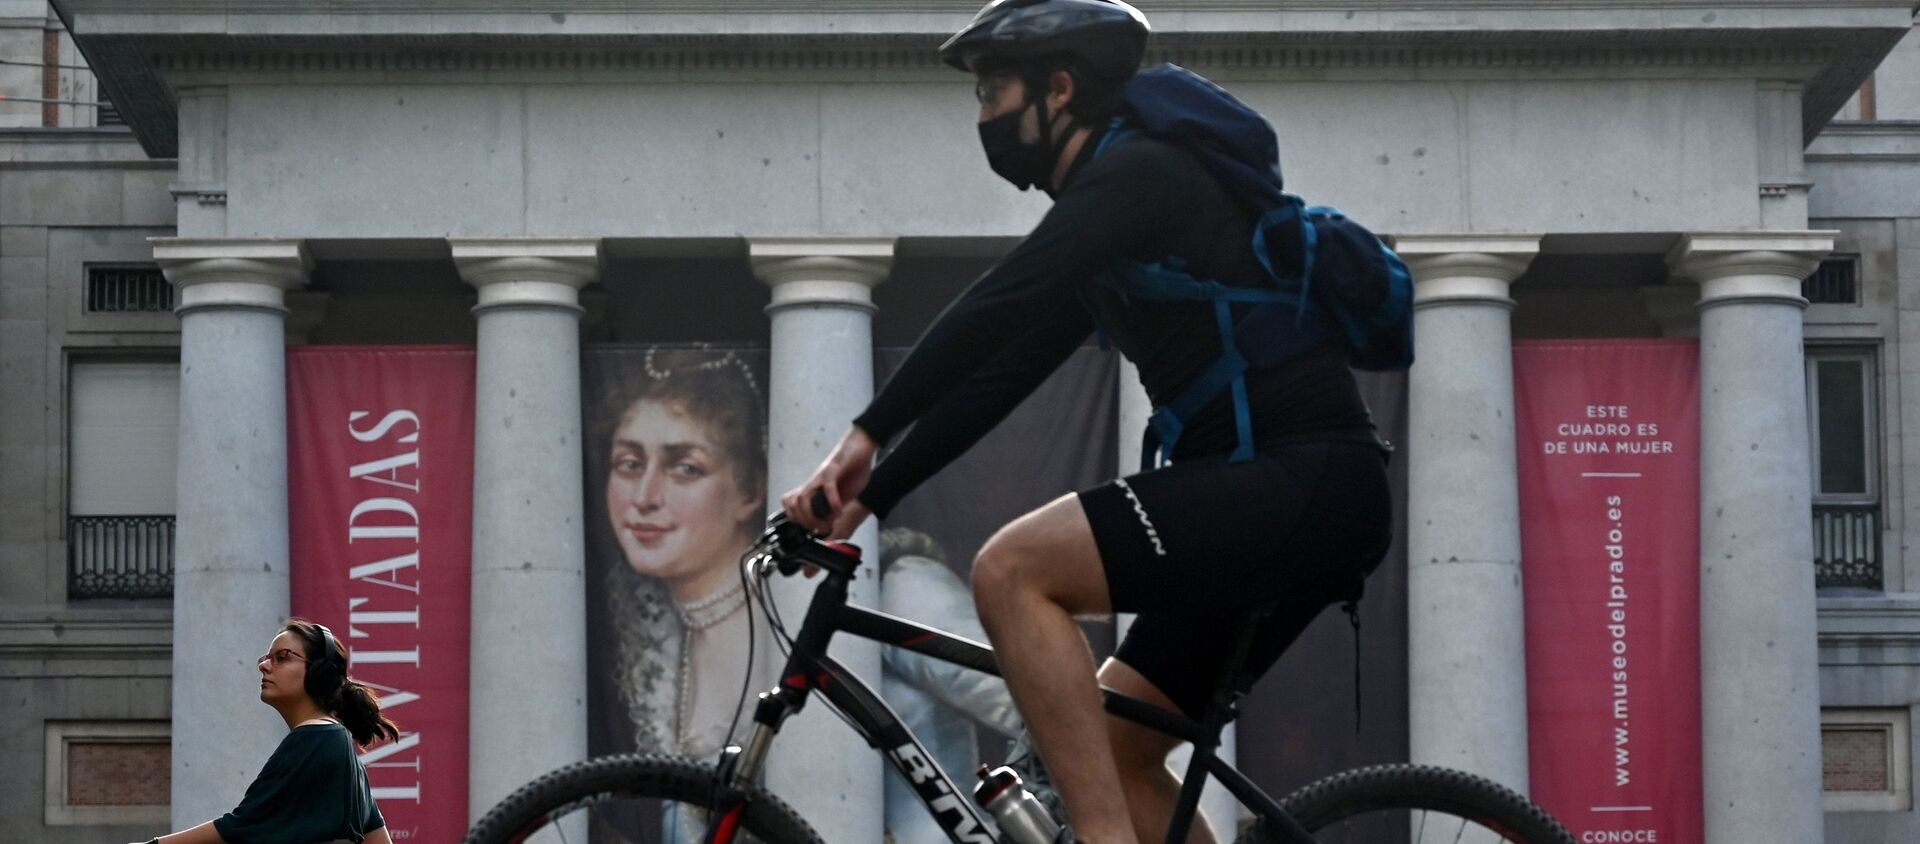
312 789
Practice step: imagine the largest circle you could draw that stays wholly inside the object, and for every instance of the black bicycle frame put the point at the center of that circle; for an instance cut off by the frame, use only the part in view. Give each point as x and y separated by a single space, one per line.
809 669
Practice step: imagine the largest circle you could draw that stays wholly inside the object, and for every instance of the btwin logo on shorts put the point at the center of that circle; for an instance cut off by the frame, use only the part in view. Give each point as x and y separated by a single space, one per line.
1153 535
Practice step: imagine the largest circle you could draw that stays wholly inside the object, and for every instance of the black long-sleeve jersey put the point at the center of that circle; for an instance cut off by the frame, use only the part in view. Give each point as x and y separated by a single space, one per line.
1143 200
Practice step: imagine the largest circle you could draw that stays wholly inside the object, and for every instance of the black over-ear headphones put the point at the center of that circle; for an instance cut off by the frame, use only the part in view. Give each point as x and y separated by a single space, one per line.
326 674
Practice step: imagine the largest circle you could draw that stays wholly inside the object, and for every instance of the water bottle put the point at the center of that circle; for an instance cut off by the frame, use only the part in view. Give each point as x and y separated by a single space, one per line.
1022 818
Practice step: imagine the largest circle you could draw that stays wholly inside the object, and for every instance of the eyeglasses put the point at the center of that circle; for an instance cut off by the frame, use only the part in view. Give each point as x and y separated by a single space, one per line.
988 89
280 657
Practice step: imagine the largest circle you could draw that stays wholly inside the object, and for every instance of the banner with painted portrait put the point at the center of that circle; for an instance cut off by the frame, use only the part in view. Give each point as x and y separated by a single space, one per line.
676 491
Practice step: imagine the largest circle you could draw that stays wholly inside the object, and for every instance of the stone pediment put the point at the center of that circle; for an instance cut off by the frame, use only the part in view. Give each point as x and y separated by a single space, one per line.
140 47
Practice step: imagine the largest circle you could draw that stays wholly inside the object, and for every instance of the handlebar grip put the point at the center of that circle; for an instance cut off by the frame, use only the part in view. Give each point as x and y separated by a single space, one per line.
821 507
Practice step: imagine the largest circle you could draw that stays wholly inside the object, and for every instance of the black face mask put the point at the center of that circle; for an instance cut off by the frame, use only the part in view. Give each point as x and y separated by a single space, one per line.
1025 165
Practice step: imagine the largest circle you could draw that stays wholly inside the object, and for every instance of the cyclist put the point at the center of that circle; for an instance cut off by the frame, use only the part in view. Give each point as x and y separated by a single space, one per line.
1183 545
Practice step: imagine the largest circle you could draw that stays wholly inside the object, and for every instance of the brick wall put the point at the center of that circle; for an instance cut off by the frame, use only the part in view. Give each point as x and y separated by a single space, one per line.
118 773
1855 759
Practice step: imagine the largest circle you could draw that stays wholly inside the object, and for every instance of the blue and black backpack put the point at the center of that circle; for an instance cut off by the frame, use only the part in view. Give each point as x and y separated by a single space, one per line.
1330 274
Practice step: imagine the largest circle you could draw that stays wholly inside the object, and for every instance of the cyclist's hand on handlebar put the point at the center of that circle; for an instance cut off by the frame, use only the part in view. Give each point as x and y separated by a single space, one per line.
840 479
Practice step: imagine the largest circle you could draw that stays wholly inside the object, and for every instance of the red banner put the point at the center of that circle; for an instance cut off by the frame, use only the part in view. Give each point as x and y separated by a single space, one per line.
1608 434
380 476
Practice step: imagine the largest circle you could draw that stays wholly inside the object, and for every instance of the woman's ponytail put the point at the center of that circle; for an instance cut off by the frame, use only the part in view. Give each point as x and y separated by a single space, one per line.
358 709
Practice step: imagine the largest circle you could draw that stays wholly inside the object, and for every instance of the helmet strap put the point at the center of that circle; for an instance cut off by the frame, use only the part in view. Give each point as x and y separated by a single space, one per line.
1037 95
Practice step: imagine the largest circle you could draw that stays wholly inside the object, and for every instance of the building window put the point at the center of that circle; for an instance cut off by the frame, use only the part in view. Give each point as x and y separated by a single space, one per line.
1863 760
1843 424
107 772
128 289
1835 282
124 421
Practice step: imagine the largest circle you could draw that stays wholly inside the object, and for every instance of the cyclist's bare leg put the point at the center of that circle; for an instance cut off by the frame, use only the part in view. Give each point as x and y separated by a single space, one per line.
1140 753
1030 580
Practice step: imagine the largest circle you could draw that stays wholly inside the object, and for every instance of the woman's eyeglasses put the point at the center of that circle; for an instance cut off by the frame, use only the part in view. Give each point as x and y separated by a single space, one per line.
280 657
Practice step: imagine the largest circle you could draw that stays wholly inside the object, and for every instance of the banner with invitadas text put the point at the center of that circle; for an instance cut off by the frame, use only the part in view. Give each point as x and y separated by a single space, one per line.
380 476
1608 433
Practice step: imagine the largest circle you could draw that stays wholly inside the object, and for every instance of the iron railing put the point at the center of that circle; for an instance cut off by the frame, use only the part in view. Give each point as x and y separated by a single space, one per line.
119 557
1846 546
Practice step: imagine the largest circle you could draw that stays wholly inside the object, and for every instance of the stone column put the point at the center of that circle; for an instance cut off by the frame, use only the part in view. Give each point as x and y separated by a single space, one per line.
529 642
1465 622
821 376
231 589
1759 678
1217 803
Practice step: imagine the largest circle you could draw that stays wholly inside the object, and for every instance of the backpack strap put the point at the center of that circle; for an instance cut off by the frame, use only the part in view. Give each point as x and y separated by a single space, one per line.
1116 130
1168 280
1229 373
1292 213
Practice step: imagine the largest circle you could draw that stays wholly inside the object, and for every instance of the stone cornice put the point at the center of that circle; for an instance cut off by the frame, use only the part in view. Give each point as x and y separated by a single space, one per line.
1250 50
118 636
1725 12
1870 631
137 46
1853 141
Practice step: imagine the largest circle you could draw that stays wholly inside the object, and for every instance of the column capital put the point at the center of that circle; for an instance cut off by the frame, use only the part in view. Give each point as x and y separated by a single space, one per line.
1751 266
243 273
1465 268
821 270
527 272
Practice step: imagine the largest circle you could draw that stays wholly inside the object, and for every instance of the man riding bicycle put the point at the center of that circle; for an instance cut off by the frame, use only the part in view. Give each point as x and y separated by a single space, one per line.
1189 546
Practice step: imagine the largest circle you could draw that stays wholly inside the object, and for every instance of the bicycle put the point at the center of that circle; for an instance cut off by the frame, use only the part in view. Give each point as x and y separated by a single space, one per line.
1378 803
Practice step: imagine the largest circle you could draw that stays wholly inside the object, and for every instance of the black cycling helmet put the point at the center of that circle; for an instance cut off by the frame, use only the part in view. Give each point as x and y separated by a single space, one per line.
1108 37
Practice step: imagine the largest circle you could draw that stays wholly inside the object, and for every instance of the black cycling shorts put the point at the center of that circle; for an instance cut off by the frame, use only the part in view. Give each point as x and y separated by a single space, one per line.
1193 547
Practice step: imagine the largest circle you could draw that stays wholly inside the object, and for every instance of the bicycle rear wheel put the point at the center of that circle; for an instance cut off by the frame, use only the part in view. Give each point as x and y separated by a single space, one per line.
1420 804
630 799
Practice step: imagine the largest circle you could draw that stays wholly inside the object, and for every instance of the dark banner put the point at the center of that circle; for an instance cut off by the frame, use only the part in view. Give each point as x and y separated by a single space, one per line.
380 477
1608 433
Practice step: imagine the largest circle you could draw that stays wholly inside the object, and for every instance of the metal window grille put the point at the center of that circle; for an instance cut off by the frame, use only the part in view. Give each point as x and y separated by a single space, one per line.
1836 282
109 114
128 290
119 557
1846 546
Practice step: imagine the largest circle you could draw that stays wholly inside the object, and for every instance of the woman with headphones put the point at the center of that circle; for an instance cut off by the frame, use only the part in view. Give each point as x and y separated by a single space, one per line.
313 788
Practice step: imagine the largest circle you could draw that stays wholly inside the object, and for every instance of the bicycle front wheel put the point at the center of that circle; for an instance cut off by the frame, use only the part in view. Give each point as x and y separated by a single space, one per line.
631 799
1419 804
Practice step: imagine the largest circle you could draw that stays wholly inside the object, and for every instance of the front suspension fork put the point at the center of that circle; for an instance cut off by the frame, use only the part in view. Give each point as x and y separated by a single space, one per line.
740 766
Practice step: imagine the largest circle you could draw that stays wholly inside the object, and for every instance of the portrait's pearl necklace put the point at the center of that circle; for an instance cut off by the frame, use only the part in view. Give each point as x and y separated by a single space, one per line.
713 609
696 617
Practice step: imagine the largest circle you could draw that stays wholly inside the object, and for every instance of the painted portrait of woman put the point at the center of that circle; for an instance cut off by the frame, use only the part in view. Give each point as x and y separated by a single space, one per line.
679 454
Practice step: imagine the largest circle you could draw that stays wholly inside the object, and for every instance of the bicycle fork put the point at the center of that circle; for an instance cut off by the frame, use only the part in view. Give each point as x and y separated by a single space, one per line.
740 765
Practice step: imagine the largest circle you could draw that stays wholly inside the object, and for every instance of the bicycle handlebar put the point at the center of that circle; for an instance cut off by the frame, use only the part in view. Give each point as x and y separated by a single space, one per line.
792 547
